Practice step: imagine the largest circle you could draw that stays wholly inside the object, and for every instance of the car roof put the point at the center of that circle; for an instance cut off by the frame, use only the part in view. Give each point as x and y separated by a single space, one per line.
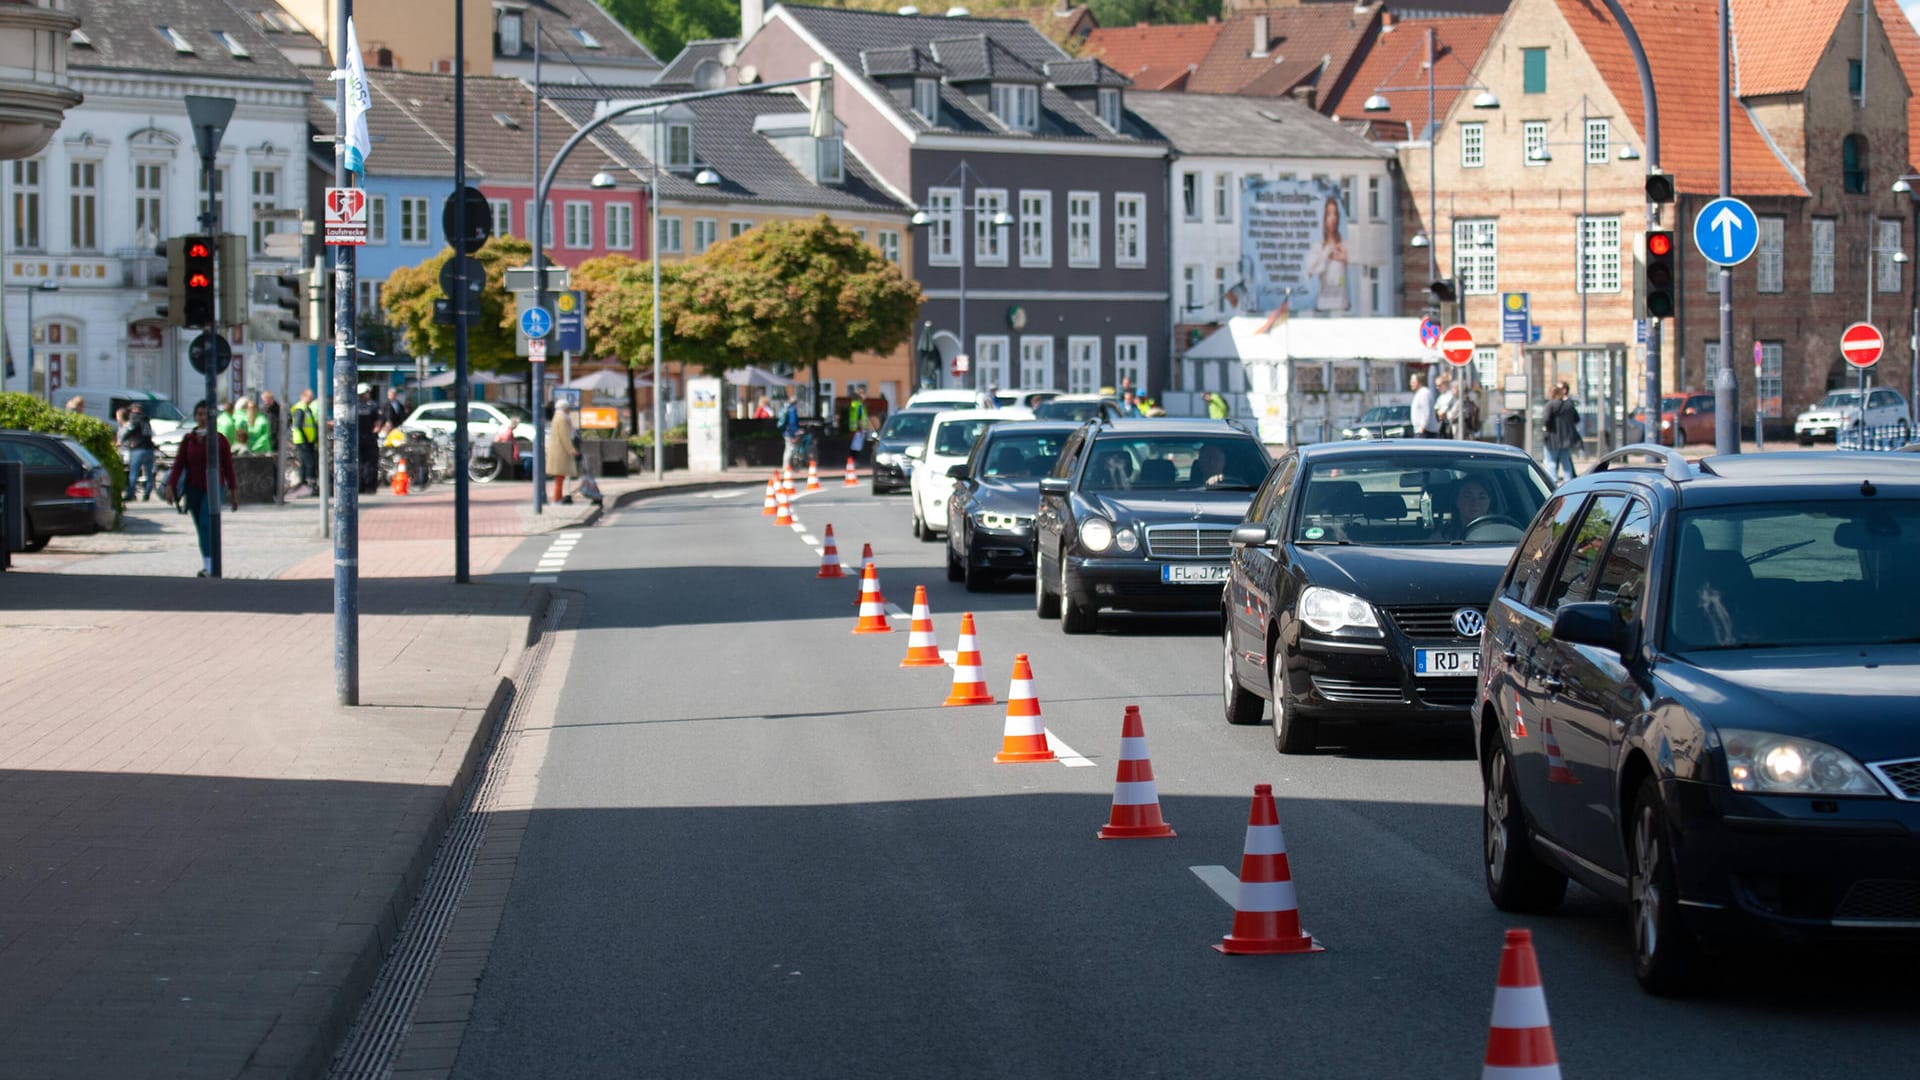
1082 397
1424 447
1776 476
928 397
1005 412
1168 425
1035 427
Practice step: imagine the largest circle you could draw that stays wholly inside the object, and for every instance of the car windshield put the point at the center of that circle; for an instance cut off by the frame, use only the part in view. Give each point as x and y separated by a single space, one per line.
955 438
1840 399
161 409
908 426
85 455
1748 577
1076 411
1175 463
1387 414
516 413
1017 456
1418 499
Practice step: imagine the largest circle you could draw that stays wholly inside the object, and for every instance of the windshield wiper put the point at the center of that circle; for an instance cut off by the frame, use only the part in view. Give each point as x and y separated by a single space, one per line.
1780 550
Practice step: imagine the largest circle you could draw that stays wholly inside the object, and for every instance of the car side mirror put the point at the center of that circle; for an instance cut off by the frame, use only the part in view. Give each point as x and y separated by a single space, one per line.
1251 536
1593 623
957 472
916 452
1055 485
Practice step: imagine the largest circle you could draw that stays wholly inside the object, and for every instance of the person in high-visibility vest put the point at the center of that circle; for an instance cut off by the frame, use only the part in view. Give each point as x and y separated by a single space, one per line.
306 438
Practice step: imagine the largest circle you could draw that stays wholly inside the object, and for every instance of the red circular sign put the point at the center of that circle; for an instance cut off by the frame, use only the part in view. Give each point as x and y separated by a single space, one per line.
1861 344
1457 345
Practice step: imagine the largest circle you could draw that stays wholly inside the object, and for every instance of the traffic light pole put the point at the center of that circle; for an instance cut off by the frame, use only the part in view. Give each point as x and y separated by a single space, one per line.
210 228
462 395
1726 388
1650 428
346 424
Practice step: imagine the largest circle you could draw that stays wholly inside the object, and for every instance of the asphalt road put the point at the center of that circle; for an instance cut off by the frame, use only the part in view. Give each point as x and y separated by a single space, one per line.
763 849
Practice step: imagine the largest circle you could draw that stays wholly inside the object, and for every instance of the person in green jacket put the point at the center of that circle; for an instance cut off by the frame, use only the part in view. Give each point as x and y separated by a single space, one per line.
1217 408
259 432
229 423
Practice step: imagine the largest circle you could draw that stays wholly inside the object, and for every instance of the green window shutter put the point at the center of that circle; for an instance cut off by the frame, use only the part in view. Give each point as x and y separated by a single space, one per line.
1536 70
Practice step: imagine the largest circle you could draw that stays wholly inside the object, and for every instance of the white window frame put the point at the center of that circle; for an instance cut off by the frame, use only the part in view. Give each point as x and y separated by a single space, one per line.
888 241
679 146
1190 290
1533 136
1770 255
1083 364
1129 230
1600 254
1036 228
989 240
502 210
943 226
578 217
1220 288
739 226
376 219
990 360
1887 242
1036 358
1486 368
1476 255
149 203
1374 204
258 200
1130 361
1190 196
671 240
1083 229
1222 197
1771 378
28 206
1016 106
1599 141
511 27
83 204
706 233
1820 269
926 99
1374 297
413 216
619 226
1473 145
1108 100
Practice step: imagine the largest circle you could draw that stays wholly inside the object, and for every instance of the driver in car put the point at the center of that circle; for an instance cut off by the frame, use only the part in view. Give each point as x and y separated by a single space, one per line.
1209 466
1472 500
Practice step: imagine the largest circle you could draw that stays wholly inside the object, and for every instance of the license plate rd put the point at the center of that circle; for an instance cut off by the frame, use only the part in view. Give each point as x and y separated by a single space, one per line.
1446 661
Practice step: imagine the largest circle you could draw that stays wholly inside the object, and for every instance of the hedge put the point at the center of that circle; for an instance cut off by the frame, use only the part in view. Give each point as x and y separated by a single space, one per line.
24 412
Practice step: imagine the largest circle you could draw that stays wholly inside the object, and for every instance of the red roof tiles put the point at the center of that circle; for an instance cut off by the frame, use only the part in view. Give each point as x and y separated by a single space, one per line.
1396 58
1779 44
1906 47
1154 57
1300 42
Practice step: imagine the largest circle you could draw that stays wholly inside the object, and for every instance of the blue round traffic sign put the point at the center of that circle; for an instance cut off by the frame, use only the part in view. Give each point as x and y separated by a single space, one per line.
1726 232
1429 332
536 322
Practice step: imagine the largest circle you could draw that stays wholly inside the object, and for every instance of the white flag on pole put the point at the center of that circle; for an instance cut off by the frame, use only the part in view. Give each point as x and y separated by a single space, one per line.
359 100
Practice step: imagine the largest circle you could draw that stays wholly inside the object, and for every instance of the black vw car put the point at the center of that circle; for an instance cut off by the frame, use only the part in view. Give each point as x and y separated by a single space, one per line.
990 516
1135 516
1697 697
1360 582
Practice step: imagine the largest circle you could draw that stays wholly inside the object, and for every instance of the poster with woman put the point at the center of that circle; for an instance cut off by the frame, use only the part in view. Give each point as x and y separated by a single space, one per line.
1293 248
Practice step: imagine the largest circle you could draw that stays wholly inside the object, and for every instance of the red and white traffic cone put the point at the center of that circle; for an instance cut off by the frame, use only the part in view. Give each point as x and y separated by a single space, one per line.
873 606
1136 801
769 507
1520 1040
1025 737
783 510
813 475
830 558
923 648
866 560
852 480
968 686
1266 915
1557 771
786 480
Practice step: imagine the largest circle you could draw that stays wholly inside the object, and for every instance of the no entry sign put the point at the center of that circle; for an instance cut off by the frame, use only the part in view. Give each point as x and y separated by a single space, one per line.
1457 345
1862 344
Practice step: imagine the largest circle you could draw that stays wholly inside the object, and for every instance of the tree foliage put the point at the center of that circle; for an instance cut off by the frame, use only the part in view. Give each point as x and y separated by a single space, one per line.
1157 12
24 412
665 26
620 308
410 291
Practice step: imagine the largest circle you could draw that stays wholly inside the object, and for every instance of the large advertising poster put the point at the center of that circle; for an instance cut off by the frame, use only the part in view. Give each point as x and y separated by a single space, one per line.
1293 248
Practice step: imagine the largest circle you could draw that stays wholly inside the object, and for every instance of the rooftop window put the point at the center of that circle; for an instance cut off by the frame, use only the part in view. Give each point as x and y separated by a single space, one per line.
581 35
234 48
176 39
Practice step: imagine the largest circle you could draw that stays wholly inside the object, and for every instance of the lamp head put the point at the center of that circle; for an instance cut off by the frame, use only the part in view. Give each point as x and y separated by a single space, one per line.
1540 154
1485 100
603 180
1377 103
1899 256
1628 153
49 285
1002 218
920 217
1901 187
707 178
1419 240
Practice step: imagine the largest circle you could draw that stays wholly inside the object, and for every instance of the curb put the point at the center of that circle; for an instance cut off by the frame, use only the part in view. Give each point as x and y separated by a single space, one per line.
628 498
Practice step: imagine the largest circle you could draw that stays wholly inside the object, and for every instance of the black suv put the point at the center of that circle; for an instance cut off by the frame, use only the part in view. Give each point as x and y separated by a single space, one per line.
1697 697
1135 515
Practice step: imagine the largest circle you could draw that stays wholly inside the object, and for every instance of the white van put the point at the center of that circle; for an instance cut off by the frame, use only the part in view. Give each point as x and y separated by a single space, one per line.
103 401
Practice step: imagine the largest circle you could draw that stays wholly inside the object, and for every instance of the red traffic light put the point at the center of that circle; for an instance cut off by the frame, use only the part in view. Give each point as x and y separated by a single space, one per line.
1659 243
198 250
199 281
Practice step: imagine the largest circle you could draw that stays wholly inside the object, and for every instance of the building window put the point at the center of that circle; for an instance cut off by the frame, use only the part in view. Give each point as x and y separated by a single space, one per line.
1129 227
1886 246
1222 197
1130 362
1772 361
506 29
1535 64
1346 196
736 227
1036 228
1373 291
1190 195
1190 289
619 226
706 233
376 219
1600 256
858 234
83 205
1476 255
1820 273
670 236
1083 232
58 345
1855 77
1220 289
546 223
1853 165
1770 258
1016 106
679 146
990 361
831 159
368 297
943 213
579 219
266 196
1083 365
413 219
926 99
989 239
1599 141
1473 145
1373 199
889 244
1036 363
26 205
1486 367
1533 142
1109 99
149 204
502 216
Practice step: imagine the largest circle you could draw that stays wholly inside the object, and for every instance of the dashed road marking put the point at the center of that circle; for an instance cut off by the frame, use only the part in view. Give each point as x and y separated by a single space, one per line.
1068 755
1221 880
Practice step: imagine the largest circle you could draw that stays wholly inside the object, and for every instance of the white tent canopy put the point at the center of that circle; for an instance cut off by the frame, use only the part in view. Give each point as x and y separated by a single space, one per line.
1266 365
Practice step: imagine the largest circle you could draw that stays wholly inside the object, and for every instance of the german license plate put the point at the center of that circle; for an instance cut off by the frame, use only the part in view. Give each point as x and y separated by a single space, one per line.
1185 574
1446 661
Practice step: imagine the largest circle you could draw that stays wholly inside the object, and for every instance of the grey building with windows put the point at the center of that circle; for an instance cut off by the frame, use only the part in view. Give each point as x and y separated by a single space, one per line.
1041 199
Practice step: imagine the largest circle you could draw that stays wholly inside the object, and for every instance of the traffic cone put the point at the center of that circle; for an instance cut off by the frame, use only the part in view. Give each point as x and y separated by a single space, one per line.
968 687
830 559
786 480
1557 771
401 485
873 606
1136 802
769 506
852 480
783 511
813 475
923 649
866 560
1266 917
1025 738
1520 1041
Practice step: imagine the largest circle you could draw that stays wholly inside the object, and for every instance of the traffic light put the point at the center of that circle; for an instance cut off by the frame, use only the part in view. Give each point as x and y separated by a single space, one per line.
234 278
1659 187
1446 296
175 251
196 282
1658 298
287 294
316 291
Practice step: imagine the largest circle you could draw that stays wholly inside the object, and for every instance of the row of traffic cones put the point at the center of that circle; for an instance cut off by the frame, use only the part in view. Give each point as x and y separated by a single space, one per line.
782 483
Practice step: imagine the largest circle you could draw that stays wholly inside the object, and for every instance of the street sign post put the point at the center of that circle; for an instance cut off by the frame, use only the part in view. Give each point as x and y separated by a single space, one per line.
1516 318
536 322
1726 232
570 321
1861 344
1429 332
346 219
1457 345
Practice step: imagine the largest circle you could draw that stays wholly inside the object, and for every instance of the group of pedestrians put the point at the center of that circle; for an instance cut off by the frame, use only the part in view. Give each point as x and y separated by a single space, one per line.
1440 412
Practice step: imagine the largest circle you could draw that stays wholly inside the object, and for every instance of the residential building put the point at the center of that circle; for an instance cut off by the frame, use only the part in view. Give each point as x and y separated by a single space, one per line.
34 91
1044 199
580 42
1397 58
1154 57
1308 50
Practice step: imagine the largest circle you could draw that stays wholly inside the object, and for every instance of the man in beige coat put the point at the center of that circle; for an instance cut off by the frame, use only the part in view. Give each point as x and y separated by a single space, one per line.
563 459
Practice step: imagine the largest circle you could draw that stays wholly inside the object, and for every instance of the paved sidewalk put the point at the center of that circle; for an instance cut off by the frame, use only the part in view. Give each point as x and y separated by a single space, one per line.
202 859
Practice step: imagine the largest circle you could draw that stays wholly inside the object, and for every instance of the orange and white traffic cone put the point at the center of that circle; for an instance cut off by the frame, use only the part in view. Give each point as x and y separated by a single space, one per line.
1136 802
1266 916
813 475
1025 737
786 480
769 507
968 687
866 560
1557 771
1520 1041
923 649
873 606
401 484
830 558
852 480
783 510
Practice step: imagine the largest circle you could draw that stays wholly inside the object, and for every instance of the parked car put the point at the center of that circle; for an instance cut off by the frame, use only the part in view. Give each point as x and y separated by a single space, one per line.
1382 422
1031 399
901 439
997 489
1135 516
953 398
68 490
101 402
1840 411
1078 408
1693 411
949 442
1359 583
483 418
1697 699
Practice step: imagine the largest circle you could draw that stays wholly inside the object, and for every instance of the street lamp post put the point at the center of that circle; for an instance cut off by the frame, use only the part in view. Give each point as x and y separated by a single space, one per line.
1000 220
1904 186
45 285
705 178
1874 251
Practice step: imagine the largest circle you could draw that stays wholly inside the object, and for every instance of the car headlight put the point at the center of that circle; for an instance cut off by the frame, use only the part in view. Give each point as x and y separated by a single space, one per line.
1126 540
1665 424
886 458
1762 763
1096 534
1331 611
990 519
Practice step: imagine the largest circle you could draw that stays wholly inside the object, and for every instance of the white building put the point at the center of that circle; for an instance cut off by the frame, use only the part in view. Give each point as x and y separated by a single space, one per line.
83 216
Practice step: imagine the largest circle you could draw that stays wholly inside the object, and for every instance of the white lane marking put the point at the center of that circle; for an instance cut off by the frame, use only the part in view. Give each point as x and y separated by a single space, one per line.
1068 755
1221 880
547 579
566 540
546 565
897 612
951 656
811 541
571 535
797 527
724 494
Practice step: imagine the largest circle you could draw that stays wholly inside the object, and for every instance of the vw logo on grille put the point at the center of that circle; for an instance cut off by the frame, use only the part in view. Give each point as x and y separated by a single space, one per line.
1468 623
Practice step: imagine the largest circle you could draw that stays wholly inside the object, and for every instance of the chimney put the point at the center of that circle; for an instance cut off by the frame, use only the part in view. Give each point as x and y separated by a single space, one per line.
1260 38
752 14
1305 95
1386 21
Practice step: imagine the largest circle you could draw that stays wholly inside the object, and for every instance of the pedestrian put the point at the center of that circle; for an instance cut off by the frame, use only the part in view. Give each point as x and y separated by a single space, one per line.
394 412
1425 424
76 403
563 456
187 480
1217 408
856 415
259 438
1130 403
270 413
305 434
1443 402
985 398
790 430
228 424
366 419
1563 432
762 408
136 438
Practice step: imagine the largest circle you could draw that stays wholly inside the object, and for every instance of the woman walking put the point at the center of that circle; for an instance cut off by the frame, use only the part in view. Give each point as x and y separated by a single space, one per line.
563 460
187 479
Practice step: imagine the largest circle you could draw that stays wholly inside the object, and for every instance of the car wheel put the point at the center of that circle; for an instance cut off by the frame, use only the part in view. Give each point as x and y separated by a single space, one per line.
1243 706
977 578
1664 951
30 542
1074 618
1292 733
1045 604
1516 878
919 527
954 570
1804 440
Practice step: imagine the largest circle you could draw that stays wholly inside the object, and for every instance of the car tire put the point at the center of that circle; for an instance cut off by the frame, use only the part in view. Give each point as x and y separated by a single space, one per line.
1045 604
955 572
977 579
1804 440
30 542
1517 879
1075 618
1292 733
919 527
1243 706
1665 954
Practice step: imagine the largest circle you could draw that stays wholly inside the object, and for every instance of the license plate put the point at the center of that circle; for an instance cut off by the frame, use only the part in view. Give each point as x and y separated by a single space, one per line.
1446 661
1184 574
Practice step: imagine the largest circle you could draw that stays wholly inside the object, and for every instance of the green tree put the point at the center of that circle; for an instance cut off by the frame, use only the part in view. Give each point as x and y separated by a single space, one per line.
665 26
410 291
620 307
1157 12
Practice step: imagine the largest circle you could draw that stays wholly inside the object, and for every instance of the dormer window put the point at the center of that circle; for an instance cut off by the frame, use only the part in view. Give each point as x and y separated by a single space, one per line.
507 34
234 48
926 99
1017 106
832 161
1110 107
583 37
679 146
178 40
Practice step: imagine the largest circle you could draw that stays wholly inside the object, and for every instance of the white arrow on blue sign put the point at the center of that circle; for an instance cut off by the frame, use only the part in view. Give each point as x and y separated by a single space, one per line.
1726 232
536 322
